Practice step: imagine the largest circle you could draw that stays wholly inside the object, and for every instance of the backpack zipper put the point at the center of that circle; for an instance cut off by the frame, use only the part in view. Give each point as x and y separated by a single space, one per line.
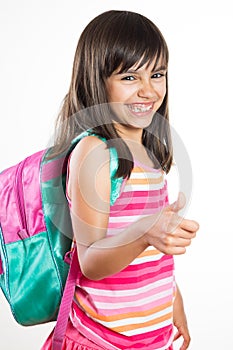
23 232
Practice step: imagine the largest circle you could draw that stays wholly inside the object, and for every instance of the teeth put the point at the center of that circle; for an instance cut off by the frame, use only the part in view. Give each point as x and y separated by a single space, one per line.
139 108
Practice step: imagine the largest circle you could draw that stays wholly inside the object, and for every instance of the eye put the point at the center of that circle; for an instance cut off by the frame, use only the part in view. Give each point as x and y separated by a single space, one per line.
128 77
158 75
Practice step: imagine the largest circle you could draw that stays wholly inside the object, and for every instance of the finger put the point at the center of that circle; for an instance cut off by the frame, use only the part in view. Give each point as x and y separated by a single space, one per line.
179 203
178 238
189 225
173 250
185 344
181 242
186 337
176 223
177 336
179 233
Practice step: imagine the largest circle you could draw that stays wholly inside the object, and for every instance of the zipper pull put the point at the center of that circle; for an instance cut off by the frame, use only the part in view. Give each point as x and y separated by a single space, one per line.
23 233
1 267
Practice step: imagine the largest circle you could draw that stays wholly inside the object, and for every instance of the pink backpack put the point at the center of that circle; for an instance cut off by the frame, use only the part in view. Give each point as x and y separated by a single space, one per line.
36 237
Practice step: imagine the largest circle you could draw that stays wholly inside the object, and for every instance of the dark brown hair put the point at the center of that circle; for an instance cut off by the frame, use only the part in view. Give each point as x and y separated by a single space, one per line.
113 40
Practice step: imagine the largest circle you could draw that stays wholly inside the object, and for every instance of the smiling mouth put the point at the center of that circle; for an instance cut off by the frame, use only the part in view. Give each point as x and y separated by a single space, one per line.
140 107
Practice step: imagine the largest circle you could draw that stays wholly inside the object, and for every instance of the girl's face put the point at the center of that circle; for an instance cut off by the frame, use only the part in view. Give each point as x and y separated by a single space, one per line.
137 94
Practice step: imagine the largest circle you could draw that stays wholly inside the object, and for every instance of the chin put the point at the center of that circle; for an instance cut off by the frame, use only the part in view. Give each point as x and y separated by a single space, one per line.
142 124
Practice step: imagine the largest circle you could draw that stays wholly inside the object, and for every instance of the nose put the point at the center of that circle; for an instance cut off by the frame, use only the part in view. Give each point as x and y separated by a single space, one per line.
147 90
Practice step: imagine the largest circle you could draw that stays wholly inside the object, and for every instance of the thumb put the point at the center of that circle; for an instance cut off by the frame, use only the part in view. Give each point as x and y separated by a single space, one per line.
179 203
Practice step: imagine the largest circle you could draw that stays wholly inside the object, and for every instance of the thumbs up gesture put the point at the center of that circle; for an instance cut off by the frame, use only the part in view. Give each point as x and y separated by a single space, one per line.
169 232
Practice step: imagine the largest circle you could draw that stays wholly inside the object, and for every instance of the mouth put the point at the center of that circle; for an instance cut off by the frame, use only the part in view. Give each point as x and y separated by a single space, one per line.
140 108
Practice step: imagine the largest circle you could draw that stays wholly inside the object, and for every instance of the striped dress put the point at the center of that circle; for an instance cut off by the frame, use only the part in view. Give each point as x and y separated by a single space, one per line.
131 309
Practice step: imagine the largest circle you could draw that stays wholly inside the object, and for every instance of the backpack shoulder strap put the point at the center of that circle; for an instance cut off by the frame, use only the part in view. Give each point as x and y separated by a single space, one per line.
66 302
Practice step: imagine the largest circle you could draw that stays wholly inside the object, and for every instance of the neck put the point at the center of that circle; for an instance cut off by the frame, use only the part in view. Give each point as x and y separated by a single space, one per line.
133 139
130 134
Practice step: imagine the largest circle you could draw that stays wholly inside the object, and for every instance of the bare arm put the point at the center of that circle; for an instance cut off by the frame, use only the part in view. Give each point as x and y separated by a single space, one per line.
89 189
180 321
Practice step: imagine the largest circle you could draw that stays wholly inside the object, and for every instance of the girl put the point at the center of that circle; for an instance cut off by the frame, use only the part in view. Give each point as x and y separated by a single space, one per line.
126 296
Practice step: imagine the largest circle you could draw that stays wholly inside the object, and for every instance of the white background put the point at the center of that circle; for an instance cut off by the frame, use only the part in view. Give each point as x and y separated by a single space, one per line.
38 40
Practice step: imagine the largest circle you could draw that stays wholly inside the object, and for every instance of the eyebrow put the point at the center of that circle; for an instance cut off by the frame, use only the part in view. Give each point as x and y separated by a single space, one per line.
159 68
153 70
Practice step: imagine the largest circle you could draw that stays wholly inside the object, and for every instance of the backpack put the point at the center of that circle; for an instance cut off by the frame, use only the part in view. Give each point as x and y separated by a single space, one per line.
36 234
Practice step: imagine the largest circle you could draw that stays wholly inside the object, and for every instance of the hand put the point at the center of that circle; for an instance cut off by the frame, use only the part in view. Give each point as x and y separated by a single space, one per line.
180 322
169 232
182 331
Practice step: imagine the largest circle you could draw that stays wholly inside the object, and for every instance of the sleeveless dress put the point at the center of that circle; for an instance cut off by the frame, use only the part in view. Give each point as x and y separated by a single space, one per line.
132 309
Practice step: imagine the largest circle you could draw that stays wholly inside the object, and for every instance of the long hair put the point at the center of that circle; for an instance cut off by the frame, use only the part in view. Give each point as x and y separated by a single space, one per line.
113 40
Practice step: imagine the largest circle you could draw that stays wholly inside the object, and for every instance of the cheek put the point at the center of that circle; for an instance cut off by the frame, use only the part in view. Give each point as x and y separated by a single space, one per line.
162 90
161 93
114 95
118 92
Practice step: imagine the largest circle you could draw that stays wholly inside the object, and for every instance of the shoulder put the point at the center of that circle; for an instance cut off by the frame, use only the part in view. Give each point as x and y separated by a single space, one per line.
90 142
89 170
91 151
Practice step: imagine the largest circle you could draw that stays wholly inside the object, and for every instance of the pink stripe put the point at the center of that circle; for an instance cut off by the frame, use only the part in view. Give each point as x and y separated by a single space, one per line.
138 194
130 210
139 201
126 201
146 267
137 275
137 297
147 203
131 283
119 225
164 259
139 271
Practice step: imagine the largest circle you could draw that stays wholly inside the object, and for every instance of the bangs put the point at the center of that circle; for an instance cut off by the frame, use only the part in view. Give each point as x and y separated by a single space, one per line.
146 59
137 41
